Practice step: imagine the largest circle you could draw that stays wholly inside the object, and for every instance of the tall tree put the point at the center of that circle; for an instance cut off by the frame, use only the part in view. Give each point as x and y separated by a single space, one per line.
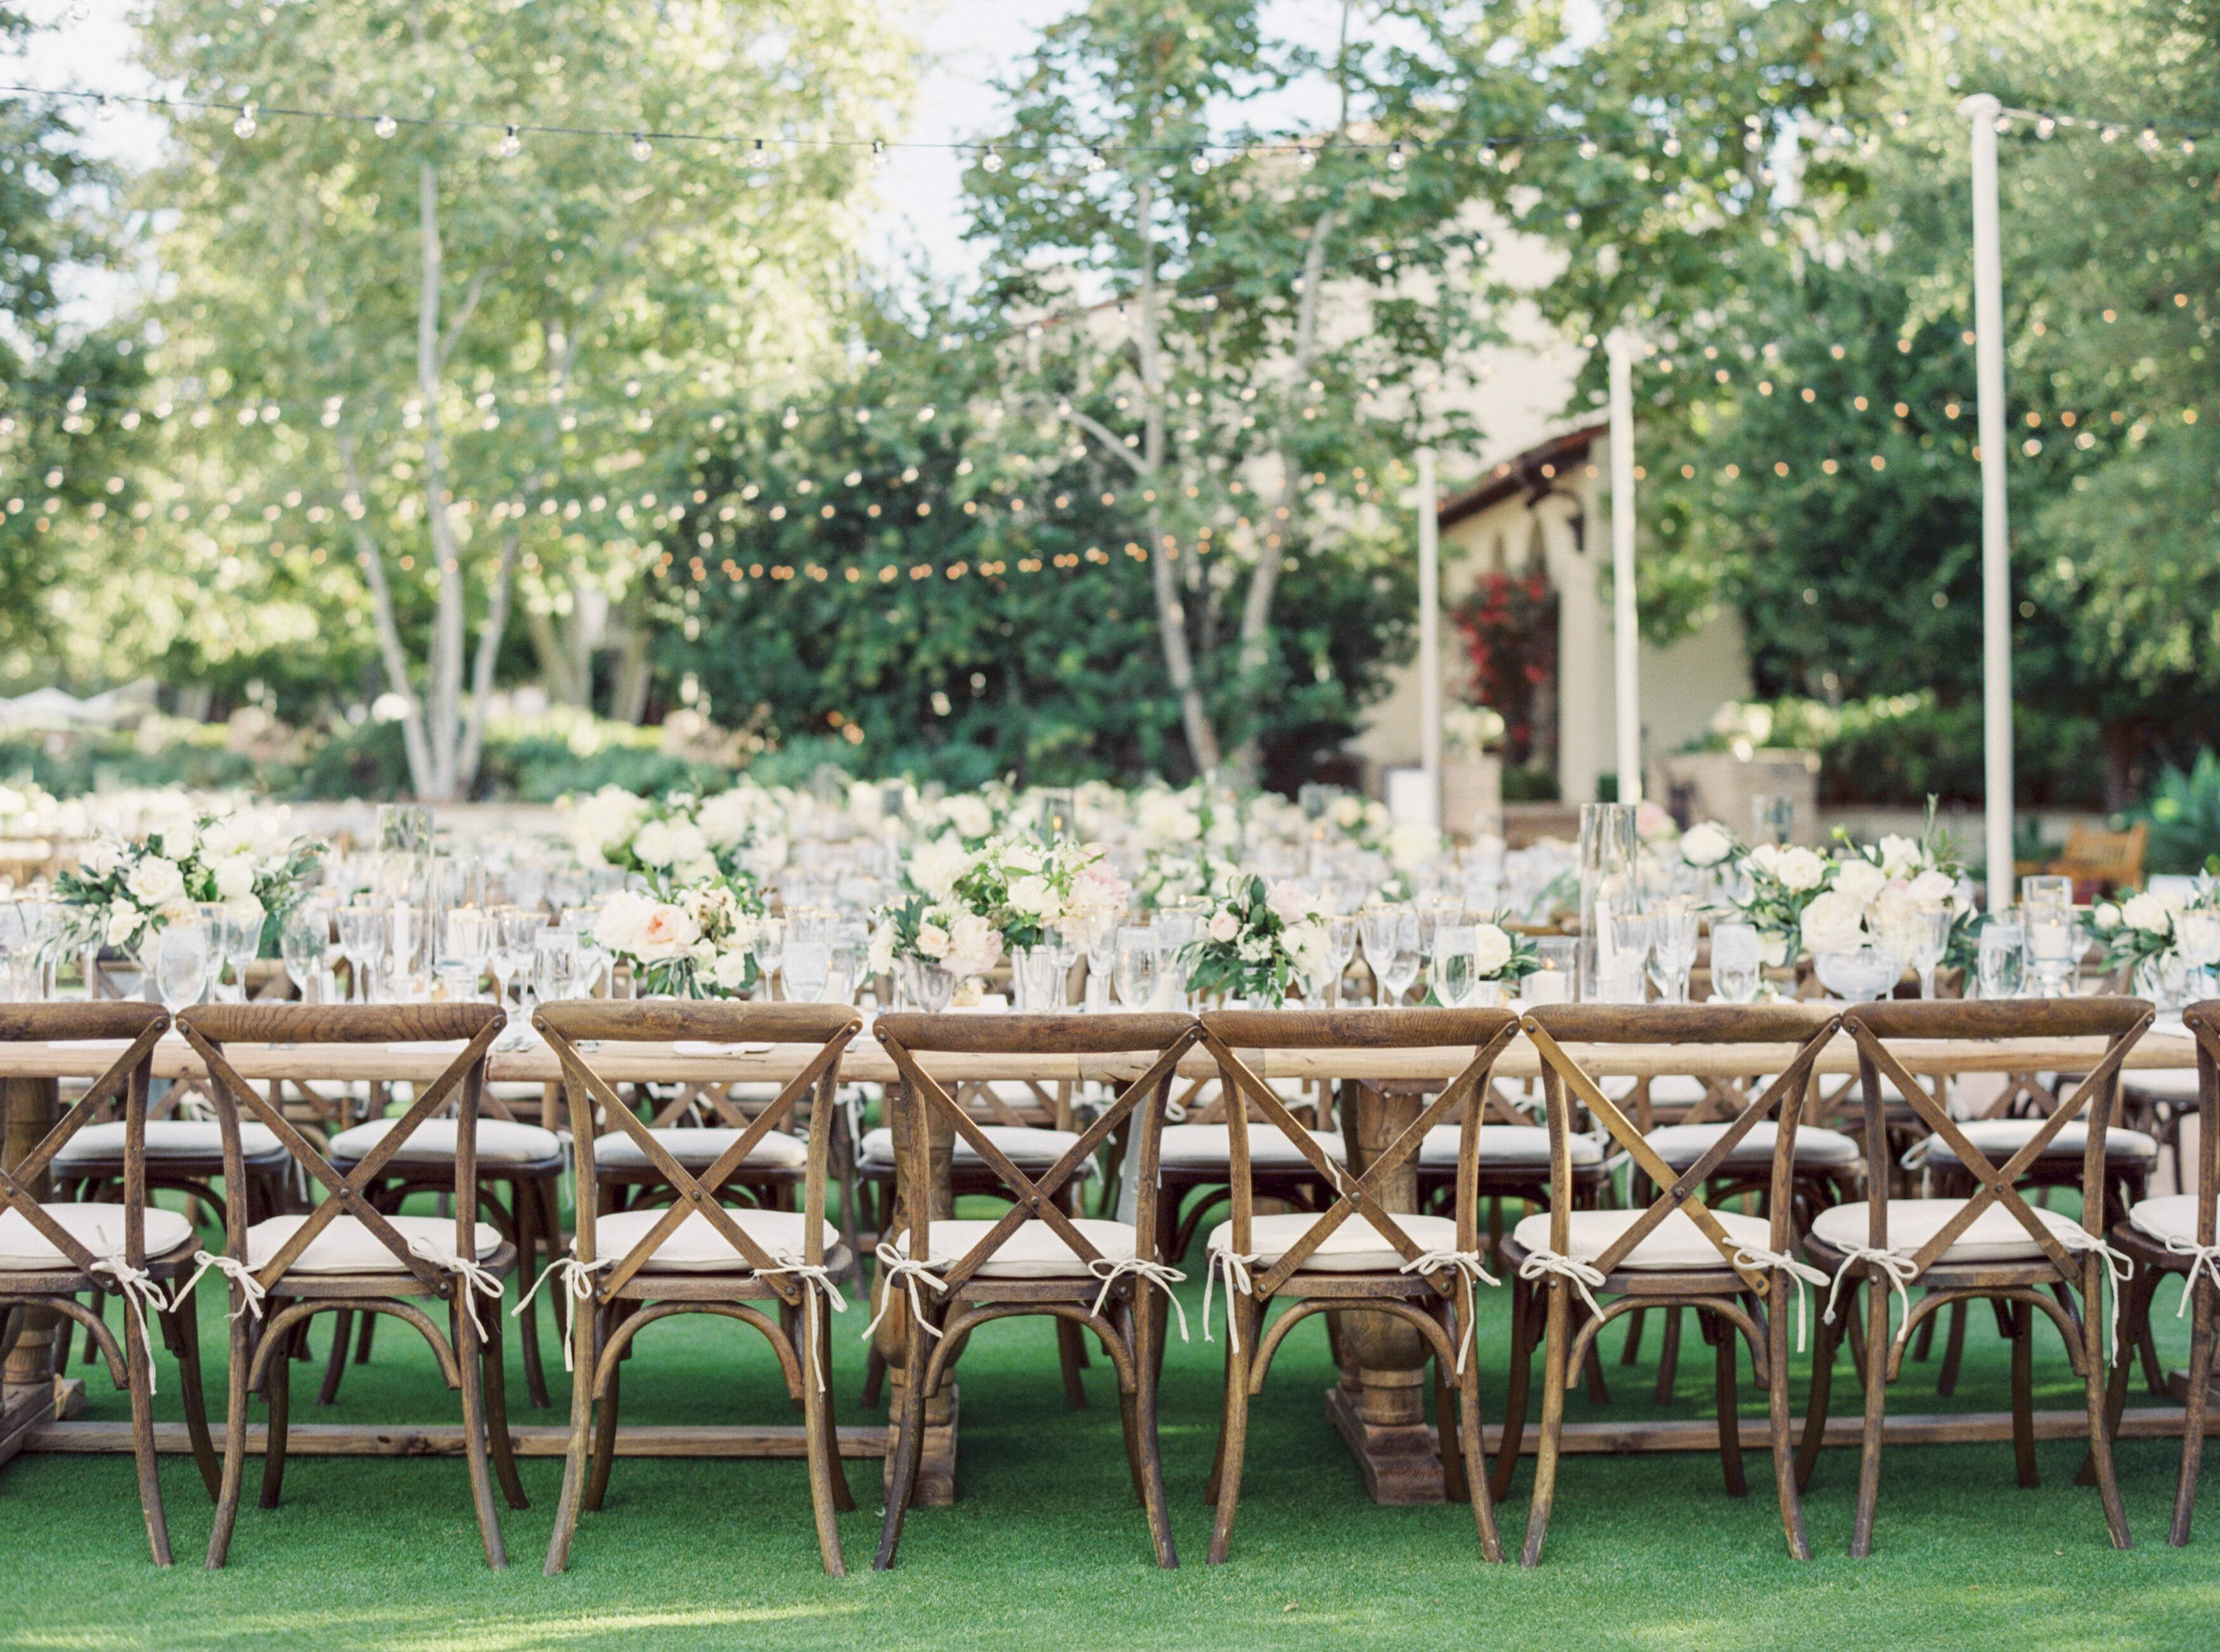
483 348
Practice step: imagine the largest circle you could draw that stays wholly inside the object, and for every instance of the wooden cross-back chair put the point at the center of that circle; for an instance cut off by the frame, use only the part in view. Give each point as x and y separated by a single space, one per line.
1414 1267
1033 1122
51 1254
348 1254
1675 1251
1197 1164
631 1269
941 1276
2176 1236
1991 1245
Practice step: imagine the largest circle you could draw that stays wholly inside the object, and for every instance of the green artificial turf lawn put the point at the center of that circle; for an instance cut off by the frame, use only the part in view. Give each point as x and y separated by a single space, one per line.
1047 1545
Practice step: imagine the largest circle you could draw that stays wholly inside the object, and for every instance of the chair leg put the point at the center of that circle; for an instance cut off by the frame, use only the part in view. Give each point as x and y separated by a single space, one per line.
1815 1411
2192 1425
2022 1393
235 1444
823 1445
364 1334
1778 1427
139 1363
908 1444
844 1499
1558 1336
1923 1341
605 1434
278 1395
1455 1487
1234 1443
585 1320
1953 1349
1631 1350
1145 1329
499 1442
1876 1379
470 1362
1668 1356
523 1201
2135 1313
874 1379
335 1366
1474 1455
1721 1334
1516 1391
2094 1383
1071 1354
181 1330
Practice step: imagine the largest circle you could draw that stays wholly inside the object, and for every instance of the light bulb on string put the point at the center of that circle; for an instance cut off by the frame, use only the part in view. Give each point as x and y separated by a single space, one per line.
878 154
2045 127
245 126
1487 154
105 109
2148 141
2189 145
1095 162
1305 157
1395 157
641 148
1198 162
758 157
512 143
2111 133
1671 146
991 161
386 126
1588 148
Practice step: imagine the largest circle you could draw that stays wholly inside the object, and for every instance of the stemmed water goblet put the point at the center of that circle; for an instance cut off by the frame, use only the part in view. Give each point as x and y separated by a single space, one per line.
1673 948
1139 962
182 954
1737 964
362 936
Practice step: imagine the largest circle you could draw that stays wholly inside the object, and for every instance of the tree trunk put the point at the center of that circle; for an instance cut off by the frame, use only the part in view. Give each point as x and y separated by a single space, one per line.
387 629
489 656
443 679
564 683
629 634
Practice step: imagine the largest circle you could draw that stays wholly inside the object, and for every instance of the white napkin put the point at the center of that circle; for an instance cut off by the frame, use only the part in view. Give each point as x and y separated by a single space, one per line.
425 1047
697 1047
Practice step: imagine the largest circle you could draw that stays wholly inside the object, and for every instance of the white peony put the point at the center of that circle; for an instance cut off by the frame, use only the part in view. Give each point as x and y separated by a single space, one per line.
652 845
100 857
668 931
2105 916
883 939
937 867
230 835
1308 948
1348 811
1932 888
725 819
730 972
932 941
1022 857
1833 923
970 815
688 843
618 929
1861 880
1223 926
1772 948
234 877
1290 902
1900 857
1766 859
974 945
1036 897
155 881
1163 818
1490 951
2147 913
1706 843
608 817
1800 869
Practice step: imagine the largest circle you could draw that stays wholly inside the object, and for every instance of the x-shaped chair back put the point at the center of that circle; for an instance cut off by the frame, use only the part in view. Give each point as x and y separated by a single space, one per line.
2202 1021
139 1027
1798 1032
1225 1033
1873 1027
208 1027
1165 1038
828 1027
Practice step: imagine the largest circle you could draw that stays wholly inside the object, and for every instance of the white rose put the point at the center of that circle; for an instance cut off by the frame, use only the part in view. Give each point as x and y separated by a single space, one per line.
1706 843
882 949
1801 870
1772 948
1021 858
1933 888
1766 857
688 842
619 928
731 969
2148 913
668 932
1306 945
653 846
1861 880
99 858
155 881
1900 857
1223 926
123 923
227 836
1037 898
970 815
1290 902
932 941
177 843
1490 951
937 866
1348 811
974 945
1832 923
234 877
2106 917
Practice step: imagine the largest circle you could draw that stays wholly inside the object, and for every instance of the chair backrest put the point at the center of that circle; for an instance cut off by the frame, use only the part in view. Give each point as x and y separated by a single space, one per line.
1880 1033
1225 1033
906 1038
829 1027
2093 856
208 1027
1796 1034
2202 1021
140 1027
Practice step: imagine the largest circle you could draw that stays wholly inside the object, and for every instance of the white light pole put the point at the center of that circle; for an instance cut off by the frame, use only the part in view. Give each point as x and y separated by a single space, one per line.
1430 635
1625 643
1980 112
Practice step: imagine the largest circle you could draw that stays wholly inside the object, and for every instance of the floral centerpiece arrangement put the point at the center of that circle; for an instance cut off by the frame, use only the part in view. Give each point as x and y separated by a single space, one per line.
1501 956
1188 842
121 892
659 838
1914 873
2156 936
1258 940
696 942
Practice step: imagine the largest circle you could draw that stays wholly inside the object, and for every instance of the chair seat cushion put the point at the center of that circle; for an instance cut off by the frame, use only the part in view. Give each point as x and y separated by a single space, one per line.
98 1228
345 1246
501 1141
168 1139
697 1247
1676 1090
2172 1217
1505 1144
1675 1243
1203 1147
1035 1250
698 1149
1354 1247
1995 1236
1681 1145
1027 1148
2164 1084
2002 1137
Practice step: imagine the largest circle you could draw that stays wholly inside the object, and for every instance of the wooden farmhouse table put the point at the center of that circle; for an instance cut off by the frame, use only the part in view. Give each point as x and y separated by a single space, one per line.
1377 1407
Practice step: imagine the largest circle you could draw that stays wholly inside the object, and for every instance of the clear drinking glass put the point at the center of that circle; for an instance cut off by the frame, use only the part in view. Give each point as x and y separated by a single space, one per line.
1737 964
930 985
1177 926
807 964
1623 943
1403 959
182 959
1929 934
1559 957
1455 980
362 936
1859 977
1341 947
2003 956
2055 942
470 939
1672 945
1139 962
555 964
1033 978
304 942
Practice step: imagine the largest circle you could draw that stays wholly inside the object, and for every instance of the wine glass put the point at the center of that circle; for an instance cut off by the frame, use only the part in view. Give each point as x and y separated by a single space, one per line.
593 957
304 942
471 941
520 935
1139 962
1455 980
1341 947
1737 964
807 962
240 939
1928 933
1177 925
1097 935
1674 947
1402 959
362 933
2003 956
555 964
182 956
767 947
1376 928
